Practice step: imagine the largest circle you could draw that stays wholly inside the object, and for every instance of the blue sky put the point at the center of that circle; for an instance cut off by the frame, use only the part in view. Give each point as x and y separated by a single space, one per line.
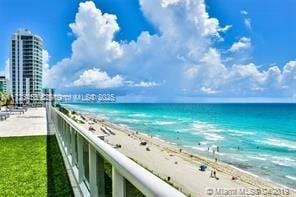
273 27
255 54
51 20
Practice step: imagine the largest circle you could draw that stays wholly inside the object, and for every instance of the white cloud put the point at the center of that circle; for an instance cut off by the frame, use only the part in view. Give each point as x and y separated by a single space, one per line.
94 44
45 63
289 77
248 23
95 32
244 12
243 43
247 20
192 71
208 90
182 54
225 29
166 3
247 80
99 79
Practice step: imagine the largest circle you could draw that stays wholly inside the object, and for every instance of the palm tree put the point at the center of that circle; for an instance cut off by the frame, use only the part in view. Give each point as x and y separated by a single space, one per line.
9 100
5 99
1 99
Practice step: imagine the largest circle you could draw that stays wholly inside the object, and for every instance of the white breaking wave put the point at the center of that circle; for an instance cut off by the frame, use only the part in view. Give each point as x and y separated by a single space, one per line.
291 177
257 158
159 138
283 161
213 136
128 120
204 127
196 148
187 130
200 148
158 122
139 115
209 131
113 112
124 126
264 155
239 133
240 159
280 143
204 142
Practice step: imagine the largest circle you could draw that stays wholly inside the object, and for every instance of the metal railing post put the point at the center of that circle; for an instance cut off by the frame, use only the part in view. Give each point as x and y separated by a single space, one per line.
64 135
118 184
101 175
73 149
93 171
62 131
59 124
80 159
67 137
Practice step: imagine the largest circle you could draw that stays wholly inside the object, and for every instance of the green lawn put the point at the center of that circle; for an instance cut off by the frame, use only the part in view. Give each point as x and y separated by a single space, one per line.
32 166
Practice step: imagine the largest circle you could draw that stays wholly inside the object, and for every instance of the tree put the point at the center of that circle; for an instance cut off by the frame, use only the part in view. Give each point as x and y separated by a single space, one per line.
5 99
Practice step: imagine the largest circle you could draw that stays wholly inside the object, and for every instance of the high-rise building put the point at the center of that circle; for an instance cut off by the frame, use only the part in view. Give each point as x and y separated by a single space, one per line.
48 95
26 67
3 84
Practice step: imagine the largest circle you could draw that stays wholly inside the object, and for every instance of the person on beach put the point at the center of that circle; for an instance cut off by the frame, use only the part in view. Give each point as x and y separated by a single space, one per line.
215 175
234 178
211 174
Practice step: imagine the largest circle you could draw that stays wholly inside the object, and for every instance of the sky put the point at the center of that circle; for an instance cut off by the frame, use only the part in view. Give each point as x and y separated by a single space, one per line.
162 50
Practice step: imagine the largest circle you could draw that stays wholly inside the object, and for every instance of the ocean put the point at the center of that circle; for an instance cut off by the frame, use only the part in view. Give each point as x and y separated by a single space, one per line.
257 138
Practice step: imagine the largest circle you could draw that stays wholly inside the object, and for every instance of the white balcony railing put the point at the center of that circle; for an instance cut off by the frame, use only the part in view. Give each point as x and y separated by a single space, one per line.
86 154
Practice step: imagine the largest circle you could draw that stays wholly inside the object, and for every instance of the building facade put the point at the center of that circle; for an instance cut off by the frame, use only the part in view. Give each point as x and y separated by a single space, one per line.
3 84
48 95
26 67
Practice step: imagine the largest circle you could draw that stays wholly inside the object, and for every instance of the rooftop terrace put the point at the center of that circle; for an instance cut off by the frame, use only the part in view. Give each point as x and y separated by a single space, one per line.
30 160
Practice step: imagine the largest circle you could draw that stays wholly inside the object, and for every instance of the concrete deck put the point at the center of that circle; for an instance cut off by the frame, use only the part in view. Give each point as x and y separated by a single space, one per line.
32 123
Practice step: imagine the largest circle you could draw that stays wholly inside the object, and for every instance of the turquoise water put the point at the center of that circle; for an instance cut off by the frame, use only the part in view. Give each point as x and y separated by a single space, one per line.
258 138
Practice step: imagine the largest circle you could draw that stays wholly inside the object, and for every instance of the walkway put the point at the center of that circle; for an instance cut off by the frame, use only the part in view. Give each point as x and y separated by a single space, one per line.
31 123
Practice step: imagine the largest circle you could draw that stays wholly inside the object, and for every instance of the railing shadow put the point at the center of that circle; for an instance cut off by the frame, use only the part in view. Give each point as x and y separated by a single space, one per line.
58 183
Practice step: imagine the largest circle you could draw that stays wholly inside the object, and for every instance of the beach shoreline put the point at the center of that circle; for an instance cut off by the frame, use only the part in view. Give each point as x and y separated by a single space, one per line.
243 179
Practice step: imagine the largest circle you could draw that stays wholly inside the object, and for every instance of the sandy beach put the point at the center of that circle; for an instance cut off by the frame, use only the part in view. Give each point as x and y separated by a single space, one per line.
181 168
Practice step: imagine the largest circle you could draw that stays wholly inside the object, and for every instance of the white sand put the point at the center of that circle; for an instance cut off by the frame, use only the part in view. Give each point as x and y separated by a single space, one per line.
184 174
